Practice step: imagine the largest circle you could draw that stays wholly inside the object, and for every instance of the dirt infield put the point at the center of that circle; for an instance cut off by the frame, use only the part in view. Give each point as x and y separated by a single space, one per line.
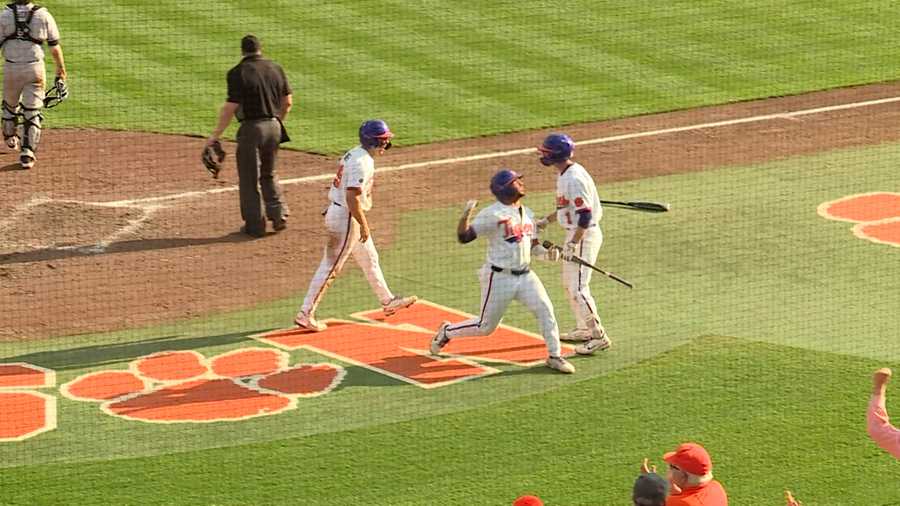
85 247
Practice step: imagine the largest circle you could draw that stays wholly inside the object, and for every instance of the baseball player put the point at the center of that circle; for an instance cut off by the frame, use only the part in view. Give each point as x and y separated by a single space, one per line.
512 239
348 230
578 211
25 28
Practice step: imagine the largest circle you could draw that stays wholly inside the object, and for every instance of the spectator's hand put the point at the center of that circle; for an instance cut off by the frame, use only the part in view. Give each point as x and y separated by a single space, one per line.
880 380
646 468
789 499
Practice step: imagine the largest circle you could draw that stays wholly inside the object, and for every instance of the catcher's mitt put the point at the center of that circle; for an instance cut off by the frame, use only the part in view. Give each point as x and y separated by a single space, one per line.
213 155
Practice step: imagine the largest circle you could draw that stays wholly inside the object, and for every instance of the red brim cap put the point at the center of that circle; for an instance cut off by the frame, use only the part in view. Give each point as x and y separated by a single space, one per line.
690 457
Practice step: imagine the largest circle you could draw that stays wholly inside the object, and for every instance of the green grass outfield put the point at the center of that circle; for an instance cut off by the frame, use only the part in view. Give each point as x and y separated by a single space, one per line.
445 70
772 416
807 308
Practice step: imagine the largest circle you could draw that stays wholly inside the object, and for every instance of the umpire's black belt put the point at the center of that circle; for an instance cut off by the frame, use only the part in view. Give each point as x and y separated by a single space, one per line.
511 271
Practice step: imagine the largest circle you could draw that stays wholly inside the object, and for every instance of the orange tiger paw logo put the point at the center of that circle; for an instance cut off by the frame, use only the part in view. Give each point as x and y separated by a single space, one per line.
186 387
876 214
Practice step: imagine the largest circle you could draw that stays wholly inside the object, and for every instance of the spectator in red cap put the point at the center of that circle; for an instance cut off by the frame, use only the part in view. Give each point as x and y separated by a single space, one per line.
691 479
879 424
528 500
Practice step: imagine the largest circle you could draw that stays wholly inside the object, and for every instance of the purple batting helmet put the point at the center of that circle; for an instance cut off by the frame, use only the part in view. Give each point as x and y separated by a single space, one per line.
374 133
556 148
501 184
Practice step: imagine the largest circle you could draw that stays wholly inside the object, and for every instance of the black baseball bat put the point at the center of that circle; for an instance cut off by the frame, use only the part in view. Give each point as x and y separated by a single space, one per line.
650 207
581 261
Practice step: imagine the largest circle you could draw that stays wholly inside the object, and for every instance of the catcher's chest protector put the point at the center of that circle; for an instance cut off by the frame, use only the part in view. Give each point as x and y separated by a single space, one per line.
23 26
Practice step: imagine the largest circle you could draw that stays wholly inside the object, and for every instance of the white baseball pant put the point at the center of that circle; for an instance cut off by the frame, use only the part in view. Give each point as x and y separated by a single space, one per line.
577 279
343 241
498 289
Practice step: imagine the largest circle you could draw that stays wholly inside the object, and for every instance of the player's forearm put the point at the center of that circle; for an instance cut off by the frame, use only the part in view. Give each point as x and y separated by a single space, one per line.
287 103
464 232
578 235
225 116
356 210
57 54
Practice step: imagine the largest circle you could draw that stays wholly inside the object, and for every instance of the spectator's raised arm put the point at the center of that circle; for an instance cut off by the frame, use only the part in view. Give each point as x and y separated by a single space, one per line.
882 432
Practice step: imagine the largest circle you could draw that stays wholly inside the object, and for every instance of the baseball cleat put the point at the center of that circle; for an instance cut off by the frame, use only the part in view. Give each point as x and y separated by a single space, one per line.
279 225
560 364
26 161
12 143
593 345
580 335
398 303
440 339
309 323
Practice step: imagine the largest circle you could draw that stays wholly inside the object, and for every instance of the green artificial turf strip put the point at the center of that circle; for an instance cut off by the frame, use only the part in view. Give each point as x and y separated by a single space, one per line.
771 416
438 70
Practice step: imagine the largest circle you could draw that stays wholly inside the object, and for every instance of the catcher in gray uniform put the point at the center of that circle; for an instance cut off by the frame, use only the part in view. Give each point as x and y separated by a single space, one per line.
25 28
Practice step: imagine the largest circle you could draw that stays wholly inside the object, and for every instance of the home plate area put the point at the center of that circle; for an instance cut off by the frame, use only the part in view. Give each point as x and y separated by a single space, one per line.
397 346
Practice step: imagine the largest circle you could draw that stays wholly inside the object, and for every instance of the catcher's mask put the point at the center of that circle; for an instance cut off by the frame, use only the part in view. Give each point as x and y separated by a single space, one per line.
556 148
374 133
502 185
56 94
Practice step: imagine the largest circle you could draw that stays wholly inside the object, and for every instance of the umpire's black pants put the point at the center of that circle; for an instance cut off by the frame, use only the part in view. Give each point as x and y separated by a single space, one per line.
256 153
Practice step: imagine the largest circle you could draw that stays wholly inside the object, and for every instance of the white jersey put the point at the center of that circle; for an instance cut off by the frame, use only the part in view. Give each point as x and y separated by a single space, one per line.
509 231
575 191
42 27
356 170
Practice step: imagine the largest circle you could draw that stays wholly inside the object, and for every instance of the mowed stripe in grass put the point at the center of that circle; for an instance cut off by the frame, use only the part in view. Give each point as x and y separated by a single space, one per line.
441 71
772 416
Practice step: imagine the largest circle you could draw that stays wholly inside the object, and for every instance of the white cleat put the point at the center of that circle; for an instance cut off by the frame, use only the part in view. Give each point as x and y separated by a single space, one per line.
579 335
560 364
440 339
307 322
398 303
26 161
600 342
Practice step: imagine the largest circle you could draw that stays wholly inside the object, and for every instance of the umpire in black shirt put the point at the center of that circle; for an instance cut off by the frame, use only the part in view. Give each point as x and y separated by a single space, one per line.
260 97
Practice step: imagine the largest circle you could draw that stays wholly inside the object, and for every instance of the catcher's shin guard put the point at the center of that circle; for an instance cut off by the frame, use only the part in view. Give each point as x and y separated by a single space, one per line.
31 128
10 122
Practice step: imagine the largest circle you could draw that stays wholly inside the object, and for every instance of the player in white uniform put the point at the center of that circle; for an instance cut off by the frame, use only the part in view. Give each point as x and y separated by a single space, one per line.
579 212
512 239
348 230
24 28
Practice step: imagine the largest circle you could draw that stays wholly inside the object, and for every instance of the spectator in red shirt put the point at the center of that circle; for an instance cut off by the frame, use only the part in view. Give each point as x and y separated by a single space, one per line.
879 424
691 479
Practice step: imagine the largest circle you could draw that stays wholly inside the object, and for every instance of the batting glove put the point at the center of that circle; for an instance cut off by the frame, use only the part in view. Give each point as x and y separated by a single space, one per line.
569 249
